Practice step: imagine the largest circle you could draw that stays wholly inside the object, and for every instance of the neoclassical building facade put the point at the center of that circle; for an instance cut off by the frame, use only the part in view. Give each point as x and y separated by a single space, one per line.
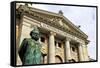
61 40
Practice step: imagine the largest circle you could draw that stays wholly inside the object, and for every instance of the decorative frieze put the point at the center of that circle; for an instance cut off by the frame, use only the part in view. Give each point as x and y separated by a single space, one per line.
56 22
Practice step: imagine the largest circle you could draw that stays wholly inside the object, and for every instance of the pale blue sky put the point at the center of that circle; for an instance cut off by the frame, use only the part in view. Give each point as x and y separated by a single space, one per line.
84 16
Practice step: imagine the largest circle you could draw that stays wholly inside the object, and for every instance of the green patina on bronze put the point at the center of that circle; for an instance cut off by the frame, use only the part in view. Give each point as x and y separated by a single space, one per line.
30 49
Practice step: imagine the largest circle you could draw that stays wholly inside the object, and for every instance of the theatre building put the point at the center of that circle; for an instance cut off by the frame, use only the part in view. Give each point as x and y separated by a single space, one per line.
61 40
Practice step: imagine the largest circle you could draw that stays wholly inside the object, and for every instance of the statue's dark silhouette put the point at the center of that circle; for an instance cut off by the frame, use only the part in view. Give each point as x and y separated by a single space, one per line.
30 49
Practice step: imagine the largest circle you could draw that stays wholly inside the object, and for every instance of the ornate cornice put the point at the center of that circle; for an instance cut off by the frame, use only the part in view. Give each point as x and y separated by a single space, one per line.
50 21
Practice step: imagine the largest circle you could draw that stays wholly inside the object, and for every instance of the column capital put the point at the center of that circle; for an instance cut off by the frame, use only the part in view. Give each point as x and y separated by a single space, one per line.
68 39
52 33
82 44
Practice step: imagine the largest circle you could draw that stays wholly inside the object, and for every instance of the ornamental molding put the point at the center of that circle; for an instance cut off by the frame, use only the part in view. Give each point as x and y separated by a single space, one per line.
55 21
55 16
52 29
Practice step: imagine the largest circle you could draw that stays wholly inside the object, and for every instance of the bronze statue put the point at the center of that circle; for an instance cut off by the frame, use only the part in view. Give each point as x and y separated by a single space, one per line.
30 49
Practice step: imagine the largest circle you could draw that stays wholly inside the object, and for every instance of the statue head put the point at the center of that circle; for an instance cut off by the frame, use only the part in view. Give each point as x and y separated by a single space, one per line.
35 33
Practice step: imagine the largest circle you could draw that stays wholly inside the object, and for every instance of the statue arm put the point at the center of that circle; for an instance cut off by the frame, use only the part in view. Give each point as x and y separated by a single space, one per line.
22 49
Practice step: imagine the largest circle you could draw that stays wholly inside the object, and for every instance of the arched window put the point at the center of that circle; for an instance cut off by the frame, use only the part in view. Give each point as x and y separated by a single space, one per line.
43 39
73 49
58 59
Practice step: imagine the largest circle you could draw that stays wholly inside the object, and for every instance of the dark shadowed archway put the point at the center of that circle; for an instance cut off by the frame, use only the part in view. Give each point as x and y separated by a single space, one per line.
58 59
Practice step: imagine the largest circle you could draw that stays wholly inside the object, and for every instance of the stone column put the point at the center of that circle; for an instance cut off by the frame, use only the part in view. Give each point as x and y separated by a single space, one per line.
51 48
67 50
19 60
45 59
85 52
80 50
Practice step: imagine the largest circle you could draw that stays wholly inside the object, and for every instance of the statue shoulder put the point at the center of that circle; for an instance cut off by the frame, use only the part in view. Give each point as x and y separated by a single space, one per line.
27 39
40 45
